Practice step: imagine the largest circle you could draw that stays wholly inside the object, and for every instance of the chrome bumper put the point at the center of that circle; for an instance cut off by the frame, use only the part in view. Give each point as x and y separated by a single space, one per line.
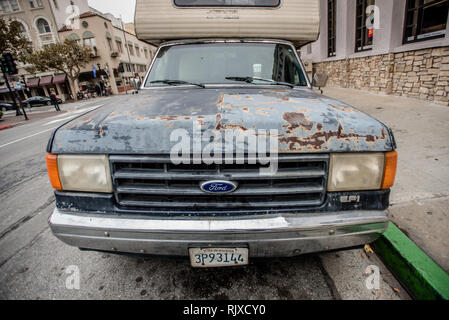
265 236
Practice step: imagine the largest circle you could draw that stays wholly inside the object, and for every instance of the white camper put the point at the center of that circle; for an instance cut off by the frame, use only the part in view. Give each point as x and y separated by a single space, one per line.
298 21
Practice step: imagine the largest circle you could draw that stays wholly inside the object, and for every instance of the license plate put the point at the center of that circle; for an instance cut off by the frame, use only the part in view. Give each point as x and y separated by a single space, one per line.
218 257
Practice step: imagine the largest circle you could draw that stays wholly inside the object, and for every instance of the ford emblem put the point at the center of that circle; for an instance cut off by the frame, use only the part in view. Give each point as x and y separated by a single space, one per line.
218 186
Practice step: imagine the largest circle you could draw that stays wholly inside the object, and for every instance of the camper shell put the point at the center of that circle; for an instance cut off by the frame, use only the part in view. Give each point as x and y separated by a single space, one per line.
223 66
297 21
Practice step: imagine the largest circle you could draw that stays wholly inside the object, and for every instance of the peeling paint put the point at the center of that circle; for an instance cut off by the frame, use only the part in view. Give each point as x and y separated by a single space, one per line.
306 121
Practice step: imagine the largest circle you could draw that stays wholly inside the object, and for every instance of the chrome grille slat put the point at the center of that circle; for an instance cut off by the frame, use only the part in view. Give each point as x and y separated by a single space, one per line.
238 192
141 174
220 205
154 183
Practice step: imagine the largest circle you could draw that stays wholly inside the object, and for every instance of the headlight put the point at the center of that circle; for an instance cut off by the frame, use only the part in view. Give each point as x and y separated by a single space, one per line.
88 173
356 171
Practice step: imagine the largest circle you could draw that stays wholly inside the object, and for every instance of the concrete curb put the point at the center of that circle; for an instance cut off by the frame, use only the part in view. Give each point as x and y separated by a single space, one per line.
5 126
418 273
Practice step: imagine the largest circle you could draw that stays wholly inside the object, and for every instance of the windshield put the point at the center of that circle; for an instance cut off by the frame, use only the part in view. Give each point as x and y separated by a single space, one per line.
226 63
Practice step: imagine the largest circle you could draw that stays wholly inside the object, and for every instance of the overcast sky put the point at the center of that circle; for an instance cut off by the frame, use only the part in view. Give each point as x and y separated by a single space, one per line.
125 8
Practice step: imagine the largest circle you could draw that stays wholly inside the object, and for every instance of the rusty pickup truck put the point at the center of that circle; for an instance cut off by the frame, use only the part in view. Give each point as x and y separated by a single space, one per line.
184 168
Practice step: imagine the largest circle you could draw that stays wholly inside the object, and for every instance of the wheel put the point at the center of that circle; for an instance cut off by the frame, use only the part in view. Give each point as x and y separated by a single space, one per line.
48 103
4 109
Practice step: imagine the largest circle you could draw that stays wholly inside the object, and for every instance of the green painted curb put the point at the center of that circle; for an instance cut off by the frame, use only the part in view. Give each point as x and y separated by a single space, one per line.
421 276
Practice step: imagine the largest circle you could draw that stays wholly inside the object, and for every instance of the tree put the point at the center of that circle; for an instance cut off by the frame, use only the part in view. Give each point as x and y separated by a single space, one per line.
13 40
68 57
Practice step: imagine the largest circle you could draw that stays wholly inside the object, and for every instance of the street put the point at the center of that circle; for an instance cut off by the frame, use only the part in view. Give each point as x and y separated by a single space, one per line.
35 265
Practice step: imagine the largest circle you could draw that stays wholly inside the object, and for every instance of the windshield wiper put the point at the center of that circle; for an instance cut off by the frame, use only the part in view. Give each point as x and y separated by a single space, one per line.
178 82
252 79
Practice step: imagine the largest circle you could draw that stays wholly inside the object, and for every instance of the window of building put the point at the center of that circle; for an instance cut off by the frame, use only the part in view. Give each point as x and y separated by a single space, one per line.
74 37
131 49
119 46
227 3
89 41
111 47
55 3
145 52
137 51
331 28
43 26
364 33
35 4
9 5
21 27
425 19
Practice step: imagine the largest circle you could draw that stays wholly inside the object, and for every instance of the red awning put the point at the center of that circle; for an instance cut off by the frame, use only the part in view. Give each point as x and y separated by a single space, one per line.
45 81
59 78
33 83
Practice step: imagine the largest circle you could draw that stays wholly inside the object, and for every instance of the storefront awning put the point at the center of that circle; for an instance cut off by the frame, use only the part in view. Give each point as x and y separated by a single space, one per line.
59 78
45 81
33 83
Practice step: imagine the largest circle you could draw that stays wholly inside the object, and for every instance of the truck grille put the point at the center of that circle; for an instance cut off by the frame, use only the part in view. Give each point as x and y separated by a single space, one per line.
154 183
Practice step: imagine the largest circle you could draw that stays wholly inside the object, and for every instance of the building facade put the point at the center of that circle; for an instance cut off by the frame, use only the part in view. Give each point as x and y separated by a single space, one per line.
39 20
111 46
398 47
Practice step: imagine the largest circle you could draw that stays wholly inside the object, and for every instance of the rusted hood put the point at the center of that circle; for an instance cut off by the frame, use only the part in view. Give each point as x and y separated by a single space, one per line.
142 124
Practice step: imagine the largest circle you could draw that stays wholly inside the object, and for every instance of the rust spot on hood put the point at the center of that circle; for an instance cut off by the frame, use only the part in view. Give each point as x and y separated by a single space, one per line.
218 122
169 118
342 108
297 120
316 140
220 101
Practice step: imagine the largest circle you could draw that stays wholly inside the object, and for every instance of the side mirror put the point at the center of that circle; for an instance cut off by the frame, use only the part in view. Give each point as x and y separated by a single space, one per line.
319 80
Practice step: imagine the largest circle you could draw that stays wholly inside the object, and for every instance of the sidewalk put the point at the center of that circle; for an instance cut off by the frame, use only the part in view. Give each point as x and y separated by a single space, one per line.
420 197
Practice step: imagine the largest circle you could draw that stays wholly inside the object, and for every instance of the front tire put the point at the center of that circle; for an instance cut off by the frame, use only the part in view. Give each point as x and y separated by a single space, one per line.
48 103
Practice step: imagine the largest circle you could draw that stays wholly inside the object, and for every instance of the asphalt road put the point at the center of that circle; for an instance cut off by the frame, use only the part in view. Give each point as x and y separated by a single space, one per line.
36 265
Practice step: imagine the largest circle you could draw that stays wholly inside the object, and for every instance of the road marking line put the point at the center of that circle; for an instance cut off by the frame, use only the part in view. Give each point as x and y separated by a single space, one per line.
73 114
35 134
58 120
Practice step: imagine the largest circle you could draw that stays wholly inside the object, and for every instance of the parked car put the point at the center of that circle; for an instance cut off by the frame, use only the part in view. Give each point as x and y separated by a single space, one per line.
39 101
156 173
4 106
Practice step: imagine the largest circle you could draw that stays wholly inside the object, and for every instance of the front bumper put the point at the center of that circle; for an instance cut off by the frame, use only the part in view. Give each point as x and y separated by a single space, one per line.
280 235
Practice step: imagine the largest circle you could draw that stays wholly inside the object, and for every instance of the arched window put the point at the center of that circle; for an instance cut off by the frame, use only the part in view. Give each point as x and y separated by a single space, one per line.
89 39
43 26
21 26
74 37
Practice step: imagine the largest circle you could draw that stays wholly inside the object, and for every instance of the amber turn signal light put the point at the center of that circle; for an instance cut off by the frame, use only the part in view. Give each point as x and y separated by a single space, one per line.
391 162
52 168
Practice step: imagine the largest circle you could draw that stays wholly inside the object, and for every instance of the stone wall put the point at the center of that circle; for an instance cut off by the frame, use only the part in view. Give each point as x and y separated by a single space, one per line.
421 74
